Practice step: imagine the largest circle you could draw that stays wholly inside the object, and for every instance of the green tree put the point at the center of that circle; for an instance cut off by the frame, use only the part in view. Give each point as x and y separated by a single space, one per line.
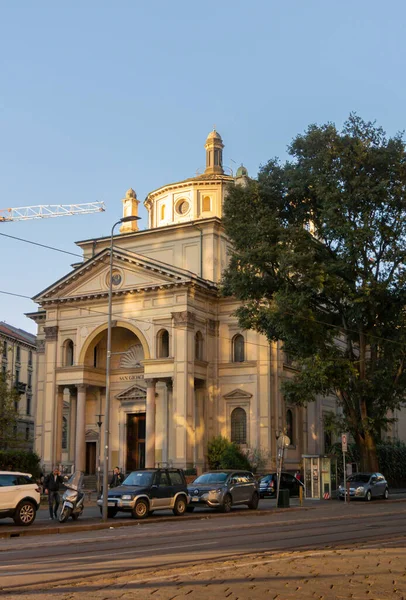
9 399
319 263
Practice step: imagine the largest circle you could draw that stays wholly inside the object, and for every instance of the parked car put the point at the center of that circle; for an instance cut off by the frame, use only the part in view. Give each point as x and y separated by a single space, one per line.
147 490
365 486
19 497
268 485
224 489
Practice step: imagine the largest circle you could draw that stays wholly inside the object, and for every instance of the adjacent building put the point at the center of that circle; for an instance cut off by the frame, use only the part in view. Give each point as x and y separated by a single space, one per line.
18 359
182 371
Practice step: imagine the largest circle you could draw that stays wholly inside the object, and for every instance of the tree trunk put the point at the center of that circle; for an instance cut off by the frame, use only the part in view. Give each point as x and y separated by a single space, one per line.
369 455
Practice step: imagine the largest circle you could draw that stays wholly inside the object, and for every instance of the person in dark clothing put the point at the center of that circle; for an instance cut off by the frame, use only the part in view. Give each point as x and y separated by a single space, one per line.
117 478
52 485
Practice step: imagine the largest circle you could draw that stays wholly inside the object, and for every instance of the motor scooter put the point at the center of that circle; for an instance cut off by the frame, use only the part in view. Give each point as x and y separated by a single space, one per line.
73 498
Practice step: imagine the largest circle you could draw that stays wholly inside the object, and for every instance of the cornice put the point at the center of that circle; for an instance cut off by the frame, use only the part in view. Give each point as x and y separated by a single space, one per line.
192 182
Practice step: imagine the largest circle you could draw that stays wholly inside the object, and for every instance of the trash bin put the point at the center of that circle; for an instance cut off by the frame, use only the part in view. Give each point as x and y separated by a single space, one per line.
283 500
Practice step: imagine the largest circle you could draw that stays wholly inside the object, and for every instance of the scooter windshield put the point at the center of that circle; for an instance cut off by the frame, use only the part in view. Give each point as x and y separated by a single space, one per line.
75 482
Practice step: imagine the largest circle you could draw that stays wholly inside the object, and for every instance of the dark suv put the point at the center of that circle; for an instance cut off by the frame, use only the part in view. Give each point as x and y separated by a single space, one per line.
147 490
222 489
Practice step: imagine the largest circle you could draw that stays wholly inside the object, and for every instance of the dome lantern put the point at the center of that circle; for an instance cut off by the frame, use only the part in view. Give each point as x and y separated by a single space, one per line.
214 153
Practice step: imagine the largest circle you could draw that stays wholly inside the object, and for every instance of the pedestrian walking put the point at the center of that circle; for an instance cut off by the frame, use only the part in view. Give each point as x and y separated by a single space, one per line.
117 478
52 485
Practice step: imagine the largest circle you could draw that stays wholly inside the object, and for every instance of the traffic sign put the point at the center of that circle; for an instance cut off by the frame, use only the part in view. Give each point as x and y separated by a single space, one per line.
344 442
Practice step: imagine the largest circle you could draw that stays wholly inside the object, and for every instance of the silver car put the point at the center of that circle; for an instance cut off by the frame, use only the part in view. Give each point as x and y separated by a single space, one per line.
223 489
365 486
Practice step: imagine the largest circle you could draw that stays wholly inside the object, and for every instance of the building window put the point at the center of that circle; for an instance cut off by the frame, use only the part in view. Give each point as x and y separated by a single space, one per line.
328 441
95 356
163 344
238 348
163 212
198 346
17 377
29 380
239 426
64 433
289 427
5 350
18 354
206 204
27 434
182 207
30 358
68 353
28 405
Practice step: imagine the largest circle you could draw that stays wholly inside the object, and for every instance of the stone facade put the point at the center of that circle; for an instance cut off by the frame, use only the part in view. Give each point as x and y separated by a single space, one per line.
181 369
18 359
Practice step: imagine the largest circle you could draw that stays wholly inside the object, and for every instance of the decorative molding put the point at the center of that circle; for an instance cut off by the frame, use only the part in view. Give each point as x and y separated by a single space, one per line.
132 358
40 346
212 327
51 333
238 395
183 318
133 394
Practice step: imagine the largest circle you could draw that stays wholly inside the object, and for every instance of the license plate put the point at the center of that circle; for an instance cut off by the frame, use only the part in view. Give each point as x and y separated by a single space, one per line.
111 503
195 499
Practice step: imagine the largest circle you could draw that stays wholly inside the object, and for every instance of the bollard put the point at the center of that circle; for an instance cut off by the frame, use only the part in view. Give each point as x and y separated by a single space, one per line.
301 495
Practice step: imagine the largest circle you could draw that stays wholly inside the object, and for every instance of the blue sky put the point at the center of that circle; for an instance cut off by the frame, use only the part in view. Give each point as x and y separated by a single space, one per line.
97 97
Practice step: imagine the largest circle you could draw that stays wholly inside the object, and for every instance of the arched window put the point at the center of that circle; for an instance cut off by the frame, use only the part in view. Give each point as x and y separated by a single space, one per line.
162 212
238 348
239 426
163 344
68 353
289 426
206 204
198 346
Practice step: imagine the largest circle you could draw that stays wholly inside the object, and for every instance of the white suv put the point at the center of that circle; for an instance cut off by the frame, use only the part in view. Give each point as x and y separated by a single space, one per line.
19 497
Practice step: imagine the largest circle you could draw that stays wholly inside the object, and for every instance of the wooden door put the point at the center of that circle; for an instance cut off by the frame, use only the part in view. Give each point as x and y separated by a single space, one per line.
90 458
135 441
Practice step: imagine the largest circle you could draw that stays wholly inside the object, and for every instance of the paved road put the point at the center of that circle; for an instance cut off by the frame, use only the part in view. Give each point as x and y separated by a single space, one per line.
94 559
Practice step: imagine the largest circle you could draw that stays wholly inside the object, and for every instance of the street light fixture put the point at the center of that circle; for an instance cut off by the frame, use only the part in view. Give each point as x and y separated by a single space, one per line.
107 401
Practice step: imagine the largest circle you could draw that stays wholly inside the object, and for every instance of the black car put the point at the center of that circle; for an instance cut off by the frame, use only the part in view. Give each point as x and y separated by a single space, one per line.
222 489
147 490
268 485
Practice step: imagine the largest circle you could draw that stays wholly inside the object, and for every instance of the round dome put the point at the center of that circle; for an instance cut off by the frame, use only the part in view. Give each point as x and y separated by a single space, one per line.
242 172
214 135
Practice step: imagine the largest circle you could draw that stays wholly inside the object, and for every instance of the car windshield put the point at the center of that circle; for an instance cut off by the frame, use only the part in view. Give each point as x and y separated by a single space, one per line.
361 477
211 478
266 479
139 478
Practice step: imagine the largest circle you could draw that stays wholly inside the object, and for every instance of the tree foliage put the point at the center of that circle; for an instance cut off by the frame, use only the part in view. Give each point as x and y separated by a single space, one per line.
9 399
319 263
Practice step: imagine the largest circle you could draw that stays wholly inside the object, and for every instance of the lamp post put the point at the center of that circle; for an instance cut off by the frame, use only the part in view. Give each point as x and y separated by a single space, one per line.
107 402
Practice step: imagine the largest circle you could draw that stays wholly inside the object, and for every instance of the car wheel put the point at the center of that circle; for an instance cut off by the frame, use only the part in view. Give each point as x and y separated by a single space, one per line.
180 506
227 503
190 509
25 513
386 494
368 496
141 509
111 513
253 505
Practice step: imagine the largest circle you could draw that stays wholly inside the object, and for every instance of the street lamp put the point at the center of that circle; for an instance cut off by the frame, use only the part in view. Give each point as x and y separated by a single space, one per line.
107 402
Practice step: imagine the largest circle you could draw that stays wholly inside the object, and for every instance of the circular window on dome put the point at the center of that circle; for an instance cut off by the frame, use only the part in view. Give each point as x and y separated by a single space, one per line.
182 207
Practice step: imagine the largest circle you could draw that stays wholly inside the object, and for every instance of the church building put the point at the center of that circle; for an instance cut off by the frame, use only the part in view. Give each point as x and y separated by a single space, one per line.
182 371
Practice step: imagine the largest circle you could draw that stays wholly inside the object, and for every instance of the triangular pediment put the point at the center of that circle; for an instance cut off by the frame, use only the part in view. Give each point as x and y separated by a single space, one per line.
133 393
237 395
130 272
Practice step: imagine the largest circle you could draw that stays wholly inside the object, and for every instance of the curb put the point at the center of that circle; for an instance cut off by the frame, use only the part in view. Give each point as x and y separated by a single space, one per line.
115 523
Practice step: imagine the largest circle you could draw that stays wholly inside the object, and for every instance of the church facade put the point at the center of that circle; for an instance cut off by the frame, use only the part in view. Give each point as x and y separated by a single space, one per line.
182 371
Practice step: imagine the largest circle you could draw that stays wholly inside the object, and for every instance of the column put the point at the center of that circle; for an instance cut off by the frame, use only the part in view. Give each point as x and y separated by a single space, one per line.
150 425
58 425
72 426
80 448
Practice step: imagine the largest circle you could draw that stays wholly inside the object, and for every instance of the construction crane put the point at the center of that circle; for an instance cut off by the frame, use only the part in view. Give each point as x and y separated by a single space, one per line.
48 211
